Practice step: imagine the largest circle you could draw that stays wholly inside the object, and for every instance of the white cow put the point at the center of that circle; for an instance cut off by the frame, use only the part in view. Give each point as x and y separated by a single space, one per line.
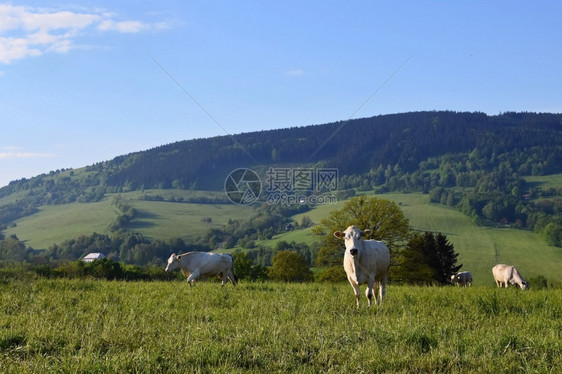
463 278
195 264
365 262
505 274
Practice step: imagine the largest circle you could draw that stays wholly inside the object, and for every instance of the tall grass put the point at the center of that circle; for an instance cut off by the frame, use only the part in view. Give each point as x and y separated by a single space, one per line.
100 326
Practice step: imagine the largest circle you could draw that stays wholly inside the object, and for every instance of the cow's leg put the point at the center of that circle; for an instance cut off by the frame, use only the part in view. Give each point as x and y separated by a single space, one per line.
356 290
223 277
227 276
382 288
232 278
378 292
369 294
192 277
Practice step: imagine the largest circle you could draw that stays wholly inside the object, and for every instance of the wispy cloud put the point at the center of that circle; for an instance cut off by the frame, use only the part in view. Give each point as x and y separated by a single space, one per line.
123 26
11 152
28 32
12 155
294 72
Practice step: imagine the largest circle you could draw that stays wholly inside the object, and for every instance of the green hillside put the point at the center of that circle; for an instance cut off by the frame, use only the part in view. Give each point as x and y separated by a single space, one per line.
159 220
479 247
57 223
447 170
53 224
545 181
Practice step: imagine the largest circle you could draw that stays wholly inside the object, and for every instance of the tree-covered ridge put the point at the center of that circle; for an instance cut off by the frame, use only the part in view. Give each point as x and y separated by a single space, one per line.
401 141
418 151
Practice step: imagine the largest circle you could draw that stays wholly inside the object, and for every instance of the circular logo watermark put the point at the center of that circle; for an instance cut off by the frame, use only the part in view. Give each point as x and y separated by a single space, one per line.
242 186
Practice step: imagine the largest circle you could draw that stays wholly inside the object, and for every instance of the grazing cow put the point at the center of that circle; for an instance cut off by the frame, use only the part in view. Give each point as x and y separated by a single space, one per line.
505 274
195 264
463 278
365 262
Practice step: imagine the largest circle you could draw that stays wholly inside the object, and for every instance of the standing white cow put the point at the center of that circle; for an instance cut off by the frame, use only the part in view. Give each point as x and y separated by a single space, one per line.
195 264
365 262
505 274
463 278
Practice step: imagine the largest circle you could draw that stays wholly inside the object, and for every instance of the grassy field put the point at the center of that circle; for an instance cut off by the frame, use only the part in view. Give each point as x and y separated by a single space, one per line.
57 223
156 219
545 181
166 220
69 326
480 248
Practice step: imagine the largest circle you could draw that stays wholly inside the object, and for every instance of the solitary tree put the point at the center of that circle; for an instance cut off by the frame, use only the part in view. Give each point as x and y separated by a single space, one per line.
383 217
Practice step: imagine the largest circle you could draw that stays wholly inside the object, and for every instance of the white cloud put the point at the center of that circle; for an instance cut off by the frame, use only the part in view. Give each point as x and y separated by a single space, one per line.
28 32
123 26
295 72
13 154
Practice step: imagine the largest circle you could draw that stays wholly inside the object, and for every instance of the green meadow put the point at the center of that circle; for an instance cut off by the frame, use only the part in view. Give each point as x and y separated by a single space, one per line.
57 223
479 247
159 220
545 181
87 326
156 219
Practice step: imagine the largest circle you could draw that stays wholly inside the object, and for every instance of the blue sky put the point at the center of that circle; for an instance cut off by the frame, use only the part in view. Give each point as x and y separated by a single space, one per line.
79 83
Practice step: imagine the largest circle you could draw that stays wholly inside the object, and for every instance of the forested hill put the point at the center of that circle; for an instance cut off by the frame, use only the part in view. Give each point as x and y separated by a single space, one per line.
354 147
400 141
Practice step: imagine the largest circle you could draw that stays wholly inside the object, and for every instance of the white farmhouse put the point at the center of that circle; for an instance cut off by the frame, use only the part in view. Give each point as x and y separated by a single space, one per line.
93 256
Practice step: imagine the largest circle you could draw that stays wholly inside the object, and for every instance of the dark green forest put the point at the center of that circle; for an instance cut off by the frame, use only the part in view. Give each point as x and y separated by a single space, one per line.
471 161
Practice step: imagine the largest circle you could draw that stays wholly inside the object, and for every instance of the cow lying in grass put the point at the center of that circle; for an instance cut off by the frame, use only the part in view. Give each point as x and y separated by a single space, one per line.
464 278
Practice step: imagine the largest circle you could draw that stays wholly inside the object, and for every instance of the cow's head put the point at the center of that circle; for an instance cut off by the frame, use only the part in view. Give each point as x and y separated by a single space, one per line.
173 263
524 285
454 277
351 236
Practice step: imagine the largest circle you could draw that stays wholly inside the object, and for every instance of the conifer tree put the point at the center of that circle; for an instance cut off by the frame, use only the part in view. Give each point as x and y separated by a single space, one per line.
428 258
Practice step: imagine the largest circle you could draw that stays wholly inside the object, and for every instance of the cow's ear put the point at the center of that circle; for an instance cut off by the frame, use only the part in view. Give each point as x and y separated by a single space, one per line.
339 234
366 232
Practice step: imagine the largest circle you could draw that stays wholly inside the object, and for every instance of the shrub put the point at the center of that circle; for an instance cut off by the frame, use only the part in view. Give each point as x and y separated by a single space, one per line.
332 274
290 266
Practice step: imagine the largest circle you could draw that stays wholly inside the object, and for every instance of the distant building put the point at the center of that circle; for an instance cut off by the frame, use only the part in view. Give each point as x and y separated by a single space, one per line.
93 256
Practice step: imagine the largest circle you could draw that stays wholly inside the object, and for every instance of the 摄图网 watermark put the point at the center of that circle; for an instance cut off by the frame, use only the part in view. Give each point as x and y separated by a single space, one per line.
286 186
